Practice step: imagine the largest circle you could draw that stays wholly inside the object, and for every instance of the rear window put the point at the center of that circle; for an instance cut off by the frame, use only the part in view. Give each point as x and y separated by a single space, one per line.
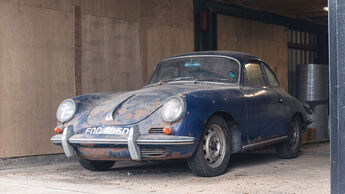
271 77
254 75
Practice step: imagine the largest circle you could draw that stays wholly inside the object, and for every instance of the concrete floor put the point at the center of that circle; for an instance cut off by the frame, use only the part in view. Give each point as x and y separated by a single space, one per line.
257 172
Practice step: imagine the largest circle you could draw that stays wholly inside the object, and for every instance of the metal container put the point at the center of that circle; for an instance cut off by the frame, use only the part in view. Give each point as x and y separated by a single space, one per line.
320 121
312 88
312 82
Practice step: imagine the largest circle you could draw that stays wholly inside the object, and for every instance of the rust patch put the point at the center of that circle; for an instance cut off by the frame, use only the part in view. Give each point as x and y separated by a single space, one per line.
156 104
122 110
174 155
104 153
179 155
182 95
128 116
87 145
121 154
139 113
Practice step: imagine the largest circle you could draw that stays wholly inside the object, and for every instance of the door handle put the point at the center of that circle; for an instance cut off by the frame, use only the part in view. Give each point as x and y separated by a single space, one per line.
280 100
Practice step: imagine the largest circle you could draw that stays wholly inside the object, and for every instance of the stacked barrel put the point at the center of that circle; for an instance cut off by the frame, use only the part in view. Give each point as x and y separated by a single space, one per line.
312 89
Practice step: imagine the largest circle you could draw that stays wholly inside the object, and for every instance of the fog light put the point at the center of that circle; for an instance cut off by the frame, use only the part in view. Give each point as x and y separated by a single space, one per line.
58 129
168 130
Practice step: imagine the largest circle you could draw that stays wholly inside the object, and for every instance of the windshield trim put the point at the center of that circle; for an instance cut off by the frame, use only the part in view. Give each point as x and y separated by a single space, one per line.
206 82
187 56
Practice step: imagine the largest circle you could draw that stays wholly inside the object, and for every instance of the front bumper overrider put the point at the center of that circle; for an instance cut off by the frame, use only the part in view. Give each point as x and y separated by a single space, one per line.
68 139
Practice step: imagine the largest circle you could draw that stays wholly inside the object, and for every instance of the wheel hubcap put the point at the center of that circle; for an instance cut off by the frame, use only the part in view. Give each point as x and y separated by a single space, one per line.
214 146
293 133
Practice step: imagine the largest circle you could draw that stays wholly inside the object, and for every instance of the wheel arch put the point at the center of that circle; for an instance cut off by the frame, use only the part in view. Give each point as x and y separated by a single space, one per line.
236 144
300 116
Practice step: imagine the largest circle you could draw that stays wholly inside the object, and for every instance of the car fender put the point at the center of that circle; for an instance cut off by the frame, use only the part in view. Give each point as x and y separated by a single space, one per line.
202 105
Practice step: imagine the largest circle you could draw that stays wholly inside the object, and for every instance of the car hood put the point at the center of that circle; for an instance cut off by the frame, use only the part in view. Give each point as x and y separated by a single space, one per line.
132 107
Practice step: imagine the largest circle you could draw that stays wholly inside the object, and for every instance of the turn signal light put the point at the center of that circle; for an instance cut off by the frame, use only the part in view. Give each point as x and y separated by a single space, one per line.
167 130
58 129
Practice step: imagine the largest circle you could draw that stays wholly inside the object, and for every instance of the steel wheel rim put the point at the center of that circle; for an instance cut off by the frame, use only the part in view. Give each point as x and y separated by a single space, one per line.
293 133
214 146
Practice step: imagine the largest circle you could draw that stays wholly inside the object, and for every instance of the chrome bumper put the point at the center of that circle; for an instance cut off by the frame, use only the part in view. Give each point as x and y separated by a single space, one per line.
133 141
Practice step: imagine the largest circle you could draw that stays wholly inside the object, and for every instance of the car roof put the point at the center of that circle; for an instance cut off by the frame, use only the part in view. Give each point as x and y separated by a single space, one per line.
241 57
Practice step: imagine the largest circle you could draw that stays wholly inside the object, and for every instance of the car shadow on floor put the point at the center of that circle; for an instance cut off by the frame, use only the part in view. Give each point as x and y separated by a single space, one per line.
145 167
180 165
252 159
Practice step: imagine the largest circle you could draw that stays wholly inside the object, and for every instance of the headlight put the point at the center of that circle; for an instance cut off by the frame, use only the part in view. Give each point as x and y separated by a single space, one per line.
66 111
173 109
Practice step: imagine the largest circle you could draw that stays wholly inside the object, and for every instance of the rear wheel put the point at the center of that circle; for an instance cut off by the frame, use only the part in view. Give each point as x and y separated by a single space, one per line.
290 148
95 165
213 152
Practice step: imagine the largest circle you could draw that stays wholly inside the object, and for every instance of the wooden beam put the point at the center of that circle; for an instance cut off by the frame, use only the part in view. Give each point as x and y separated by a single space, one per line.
313 14
275 5
143 43
302 10
77 51
291 8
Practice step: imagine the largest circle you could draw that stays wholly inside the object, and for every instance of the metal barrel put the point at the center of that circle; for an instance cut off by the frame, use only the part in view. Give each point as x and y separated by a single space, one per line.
320 121
312 88
312 82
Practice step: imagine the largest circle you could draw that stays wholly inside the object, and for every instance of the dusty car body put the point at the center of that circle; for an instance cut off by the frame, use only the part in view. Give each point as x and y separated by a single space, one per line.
223 102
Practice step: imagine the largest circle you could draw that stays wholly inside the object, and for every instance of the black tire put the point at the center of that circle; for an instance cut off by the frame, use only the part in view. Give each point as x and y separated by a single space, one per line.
200 163
291 148
95 165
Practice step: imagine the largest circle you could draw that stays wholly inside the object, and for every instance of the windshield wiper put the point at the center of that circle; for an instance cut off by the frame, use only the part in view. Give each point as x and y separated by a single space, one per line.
214 79
222 80
176 79
171 80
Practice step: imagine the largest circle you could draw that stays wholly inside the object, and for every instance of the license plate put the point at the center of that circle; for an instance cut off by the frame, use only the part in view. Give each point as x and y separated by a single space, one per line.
108 130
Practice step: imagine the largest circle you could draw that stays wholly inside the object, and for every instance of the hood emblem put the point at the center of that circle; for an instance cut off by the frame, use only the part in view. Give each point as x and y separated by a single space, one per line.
109 116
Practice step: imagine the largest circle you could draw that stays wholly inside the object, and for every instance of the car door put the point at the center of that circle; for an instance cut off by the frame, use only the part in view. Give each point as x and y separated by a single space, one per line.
281 121
261 104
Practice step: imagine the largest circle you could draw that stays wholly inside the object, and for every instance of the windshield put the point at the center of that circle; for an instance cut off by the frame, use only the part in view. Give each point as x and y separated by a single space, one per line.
216 69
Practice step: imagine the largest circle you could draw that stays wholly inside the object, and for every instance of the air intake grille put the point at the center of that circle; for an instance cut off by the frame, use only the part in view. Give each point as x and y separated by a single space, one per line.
152 152
156 131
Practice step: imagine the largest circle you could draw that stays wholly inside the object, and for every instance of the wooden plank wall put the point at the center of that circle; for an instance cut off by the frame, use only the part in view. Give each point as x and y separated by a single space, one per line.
110 55
168 29
110 46
120 48
267 41
123 47
121 41
36 72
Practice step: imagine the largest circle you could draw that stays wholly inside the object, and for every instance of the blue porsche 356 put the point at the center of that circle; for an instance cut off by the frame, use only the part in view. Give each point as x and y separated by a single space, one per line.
202 106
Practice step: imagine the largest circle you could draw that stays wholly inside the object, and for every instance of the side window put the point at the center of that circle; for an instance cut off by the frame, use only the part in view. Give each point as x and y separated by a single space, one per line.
254 75
271 77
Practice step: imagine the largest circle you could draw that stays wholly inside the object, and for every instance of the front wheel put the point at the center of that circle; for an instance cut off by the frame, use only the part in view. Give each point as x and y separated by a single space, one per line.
95 165
290 148
213 152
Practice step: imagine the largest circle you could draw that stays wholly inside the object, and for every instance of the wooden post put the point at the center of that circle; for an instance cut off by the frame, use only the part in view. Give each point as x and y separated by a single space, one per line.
77 47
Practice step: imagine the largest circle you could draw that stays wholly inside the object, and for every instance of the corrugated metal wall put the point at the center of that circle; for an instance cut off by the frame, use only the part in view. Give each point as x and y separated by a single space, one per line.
302 49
